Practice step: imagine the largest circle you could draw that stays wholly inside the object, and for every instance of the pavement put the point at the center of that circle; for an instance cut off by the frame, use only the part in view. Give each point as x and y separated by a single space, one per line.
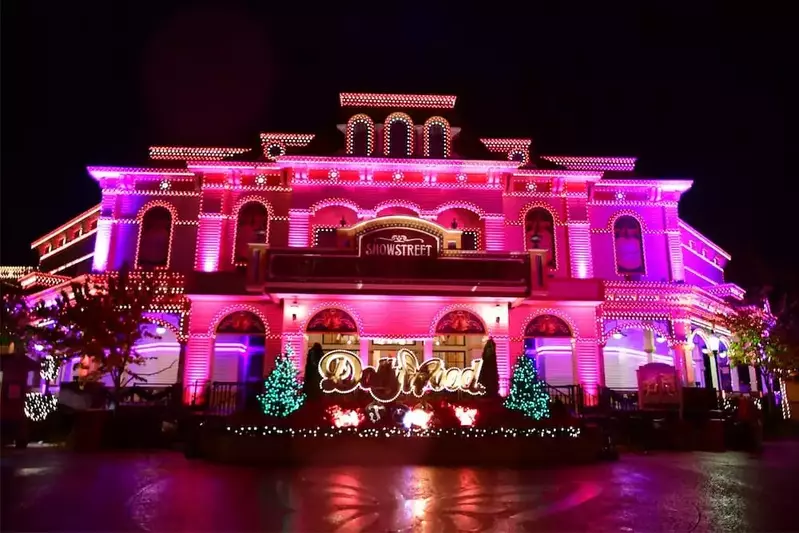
56 491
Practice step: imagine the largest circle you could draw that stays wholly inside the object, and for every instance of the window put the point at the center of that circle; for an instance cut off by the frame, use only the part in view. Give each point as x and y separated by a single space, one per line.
451 340
155 235
360 139
337 339
539 233
628 245
251 227
398 135
360 135
452 359
437 138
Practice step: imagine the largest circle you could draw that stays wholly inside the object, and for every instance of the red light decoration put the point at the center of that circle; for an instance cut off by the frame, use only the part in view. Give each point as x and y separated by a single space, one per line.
621 164
370 133
466 415
407 101
511 147
188 153
274 145
294 140
344 418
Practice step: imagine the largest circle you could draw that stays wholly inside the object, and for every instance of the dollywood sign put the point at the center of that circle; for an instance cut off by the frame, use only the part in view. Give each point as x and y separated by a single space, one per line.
343 372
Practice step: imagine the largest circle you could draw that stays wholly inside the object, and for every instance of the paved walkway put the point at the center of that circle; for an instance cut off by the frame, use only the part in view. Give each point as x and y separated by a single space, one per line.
52 490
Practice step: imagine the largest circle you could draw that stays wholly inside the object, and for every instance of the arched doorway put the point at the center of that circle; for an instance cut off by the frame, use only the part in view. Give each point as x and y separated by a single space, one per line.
630 345
548 340
704 362
334 329
459 338
239 349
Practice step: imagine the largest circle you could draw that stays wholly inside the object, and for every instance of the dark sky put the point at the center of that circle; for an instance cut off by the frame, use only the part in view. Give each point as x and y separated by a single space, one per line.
696 90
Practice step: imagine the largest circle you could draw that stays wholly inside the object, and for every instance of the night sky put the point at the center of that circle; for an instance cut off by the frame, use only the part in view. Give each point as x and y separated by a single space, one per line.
695 90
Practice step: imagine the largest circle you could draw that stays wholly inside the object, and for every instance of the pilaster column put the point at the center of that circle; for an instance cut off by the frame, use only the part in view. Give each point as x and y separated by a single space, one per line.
209 242
504 362
674 243
364 352
197 367
428 346
580 257
588 358
299 228
494 237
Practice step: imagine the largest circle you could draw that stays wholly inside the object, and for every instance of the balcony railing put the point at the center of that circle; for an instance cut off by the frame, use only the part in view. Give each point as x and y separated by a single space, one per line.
306 265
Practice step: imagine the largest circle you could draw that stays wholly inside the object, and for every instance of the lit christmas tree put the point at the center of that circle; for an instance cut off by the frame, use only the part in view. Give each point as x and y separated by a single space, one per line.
282 388
527 393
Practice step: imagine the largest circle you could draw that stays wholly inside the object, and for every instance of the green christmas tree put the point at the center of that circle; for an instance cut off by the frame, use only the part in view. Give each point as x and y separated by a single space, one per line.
527 393
282 388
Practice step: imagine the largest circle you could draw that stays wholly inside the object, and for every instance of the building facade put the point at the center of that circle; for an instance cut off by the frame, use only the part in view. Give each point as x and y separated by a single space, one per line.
411 234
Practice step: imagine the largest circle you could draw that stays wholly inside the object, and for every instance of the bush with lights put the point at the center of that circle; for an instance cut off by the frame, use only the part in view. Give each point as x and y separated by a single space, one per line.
39 406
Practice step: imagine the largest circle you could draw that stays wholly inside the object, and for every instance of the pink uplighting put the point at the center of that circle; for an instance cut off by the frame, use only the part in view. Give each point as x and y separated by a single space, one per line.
394 240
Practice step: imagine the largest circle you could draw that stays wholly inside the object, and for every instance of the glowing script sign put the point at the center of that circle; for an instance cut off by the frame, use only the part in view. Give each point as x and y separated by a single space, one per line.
343 372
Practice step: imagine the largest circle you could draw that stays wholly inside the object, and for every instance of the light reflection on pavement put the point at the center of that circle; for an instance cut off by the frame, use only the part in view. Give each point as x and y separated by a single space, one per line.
53 490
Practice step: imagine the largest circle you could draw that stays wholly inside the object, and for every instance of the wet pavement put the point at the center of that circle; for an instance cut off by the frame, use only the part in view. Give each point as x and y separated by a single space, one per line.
53 490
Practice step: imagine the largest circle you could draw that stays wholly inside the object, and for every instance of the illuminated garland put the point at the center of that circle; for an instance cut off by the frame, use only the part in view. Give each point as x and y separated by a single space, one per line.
38 406
49 369
463 432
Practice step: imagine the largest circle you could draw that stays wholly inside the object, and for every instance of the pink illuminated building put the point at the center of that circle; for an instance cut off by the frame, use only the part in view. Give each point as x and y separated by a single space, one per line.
412 234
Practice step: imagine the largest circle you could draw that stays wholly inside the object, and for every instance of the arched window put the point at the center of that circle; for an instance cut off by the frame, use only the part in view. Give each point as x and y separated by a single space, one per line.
436 138
628 245
539 232
360 135
154 238
398 135
251 227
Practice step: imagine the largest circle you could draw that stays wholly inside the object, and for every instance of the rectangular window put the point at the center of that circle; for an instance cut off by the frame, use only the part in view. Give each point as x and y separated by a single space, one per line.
452 359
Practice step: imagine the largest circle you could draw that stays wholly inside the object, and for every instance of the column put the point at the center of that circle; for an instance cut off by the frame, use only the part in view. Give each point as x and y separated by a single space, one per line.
682 363
299 229
504 362
674 243
753 383
683 351
588 356
649 345
494 233
581 261
105 228
209 242
429 348
197 371
364 351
